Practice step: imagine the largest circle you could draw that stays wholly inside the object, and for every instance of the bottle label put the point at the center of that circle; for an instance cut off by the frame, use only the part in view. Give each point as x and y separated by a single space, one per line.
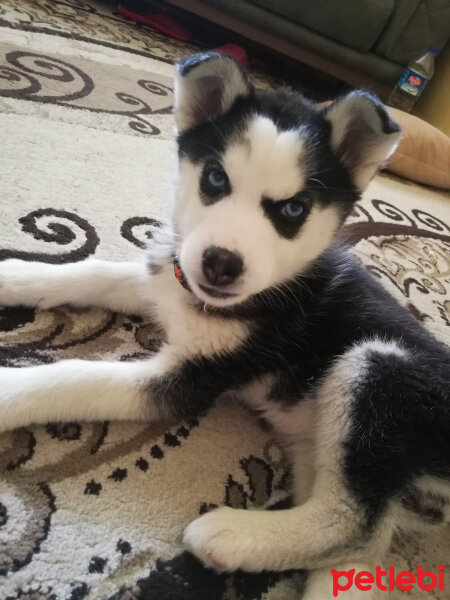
411 82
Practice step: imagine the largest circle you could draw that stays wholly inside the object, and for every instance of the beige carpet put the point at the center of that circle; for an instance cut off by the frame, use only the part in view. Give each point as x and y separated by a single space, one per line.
96 510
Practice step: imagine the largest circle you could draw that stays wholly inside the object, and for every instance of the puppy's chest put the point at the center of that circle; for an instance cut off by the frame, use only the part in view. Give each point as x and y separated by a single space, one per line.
189 328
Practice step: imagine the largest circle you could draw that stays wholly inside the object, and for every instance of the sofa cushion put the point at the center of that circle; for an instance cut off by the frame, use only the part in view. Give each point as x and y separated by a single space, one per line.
423 154
356 24
415 24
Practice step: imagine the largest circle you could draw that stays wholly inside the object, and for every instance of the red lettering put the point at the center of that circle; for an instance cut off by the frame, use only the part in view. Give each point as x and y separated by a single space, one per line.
441 569
415 81
391 578
379 573
338 587
421 574
405 580
364 581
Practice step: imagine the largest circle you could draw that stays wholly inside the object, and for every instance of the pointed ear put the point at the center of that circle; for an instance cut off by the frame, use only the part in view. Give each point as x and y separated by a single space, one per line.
206 86
363 135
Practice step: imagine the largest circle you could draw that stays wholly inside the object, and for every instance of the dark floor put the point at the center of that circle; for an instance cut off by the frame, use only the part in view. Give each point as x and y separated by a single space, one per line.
282 70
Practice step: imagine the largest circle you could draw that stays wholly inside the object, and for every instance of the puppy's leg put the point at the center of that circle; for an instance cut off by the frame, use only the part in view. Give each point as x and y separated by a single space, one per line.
166 386
73 390
115 286
341 521
304 472
327 529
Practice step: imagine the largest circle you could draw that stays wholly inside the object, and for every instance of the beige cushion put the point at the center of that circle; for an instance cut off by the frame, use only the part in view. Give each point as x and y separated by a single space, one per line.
423 154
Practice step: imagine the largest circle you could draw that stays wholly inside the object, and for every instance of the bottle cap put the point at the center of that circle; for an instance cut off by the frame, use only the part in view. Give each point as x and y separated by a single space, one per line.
433 49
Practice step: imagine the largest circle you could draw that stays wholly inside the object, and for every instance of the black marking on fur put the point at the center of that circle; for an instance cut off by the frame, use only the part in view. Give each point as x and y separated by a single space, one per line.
400 423
208 193
208 141
186 65
427 505
388 125
286 227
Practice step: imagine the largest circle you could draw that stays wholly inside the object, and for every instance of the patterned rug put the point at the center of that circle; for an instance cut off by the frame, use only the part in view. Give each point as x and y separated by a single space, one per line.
96 511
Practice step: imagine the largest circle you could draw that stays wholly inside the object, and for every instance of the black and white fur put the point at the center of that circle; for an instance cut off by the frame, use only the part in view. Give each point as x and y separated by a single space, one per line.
277 314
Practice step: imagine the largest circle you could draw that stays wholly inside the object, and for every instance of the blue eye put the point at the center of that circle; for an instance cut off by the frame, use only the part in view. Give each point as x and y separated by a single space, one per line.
292 210
217 179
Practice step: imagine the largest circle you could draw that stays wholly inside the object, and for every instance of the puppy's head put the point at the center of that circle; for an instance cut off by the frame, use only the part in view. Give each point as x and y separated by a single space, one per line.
266 179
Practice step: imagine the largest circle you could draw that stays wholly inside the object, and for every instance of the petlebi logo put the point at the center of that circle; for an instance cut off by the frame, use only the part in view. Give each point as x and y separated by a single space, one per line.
388 580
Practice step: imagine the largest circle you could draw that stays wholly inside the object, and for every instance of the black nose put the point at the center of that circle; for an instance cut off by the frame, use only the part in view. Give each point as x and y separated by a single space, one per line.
221 266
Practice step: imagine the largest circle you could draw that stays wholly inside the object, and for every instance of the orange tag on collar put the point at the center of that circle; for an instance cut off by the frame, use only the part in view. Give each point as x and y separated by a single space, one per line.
179 273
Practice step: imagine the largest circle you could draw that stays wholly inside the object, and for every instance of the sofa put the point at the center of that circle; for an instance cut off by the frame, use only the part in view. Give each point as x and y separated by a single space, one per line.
363 42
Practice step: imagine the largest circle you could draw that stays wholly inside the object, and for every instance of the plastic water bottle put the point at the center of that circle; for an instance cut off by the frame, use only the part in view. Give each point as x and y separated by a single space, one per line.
413 81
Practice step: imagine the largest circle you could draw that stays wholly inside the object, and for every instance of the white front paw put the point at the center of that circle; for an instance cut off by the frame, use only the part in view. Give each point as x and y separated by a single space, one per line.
13 277
223 539
20 283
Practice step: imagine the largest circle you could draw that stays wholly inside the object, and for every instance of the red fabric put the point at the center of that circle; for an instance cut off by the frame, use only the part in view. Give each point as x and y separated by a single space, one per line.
237 52
163 21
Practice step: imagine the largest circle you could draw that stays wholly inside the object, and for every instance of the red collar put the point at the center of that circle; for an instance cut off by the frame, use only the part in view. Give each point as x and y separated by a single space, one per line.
179 273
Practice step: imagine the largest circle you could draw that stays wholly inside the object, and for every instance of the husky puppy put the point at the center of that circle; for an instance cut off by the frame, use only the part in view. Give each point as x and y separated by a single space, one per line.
268 307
